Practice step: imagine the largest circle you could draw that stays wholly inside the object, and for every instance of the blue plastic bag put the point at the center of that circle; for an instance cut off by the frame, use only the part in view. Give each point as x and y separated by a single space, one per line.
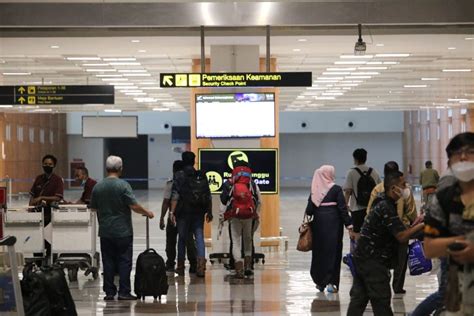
417 262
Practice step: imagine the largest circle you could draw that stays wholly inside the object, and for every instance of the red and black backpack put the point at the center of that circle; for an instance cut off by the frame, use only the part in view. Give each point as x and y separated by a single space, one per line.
241 203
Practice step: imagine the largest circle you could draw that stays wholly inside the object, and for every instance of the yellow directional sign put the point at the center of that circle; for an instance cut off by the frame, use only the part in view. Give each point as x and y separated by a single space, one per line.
194 80
168 81
31 100
21 100
181 80
31 89
21 90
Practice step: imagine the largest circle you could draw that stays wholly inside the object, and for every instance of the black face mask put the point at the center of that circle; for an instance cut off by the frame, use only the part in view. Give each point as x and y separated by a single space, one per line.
48 169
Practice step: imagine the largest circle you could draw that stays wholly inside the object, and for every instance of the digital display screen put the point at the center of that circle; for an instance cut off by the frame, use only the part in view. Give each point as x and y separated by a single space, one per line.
234 115
218 165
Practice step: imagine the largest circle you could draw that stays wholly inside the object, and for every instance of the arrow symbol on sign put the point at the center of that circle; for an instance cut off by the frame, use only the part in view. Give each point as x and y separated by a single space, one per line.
168 80
21 100
21 90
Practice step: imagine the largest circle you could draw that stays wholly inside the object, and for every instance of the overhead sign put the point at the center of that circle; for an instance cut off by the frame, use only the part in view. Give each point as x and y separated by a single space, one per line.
218 165
240 79
51 95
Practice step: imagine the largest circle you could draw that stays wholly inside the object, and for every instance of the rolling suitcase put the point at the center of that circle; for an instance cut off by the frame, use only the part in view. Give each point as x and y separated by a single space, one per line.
150 272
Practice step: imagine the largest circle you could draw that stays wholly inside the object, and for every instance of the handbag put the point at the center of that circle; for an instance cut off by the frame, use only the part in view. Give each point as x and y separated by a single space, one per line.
417 262
305 241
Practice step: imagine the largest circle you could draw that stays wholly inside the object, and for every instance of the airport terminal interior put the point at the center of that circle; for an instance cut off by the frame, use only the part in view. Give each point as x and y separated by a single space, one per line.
285 86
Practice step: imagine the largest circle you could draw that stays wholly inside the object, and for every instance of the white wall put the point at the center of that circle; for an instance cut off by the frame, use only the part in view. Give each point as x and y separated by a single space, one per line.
160 159
301 154
91 151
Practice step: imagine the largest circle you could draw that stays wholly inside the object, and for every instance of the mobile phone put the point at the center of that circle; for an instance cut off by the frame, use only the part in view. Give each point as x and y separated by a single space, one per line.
456 246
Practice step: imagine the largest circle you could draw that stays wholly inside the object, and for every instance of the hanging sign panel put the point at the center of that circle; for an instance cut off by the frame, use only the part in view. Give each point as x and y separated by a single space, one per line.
51 95
236 79
218 165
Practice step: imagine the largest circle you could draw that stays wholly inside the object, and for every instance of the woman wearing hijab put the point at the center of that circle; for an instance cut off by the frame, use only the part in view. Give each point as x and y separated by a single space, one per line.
329 210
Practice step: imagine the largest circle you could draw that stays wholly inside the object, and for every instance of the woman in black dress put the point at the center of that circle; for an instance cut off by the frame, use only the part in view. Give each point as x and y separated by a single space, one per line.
329 210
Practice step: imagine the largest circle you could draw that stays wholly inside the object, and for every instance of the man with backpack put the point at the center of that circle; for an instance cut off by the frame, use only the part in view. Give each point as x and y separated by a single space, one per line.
360 181
241 196
190 201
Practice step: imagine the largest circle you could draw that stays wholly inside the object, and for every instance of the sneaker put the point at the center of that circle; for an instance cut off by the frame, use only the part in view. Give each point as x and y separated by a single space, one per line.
331 288
320 288
128 297
192 269
109 297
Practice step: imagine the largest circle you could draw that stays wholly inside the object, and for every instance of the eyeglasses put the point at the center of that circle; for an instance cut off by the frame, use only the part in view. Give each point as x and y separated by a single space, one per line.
468 152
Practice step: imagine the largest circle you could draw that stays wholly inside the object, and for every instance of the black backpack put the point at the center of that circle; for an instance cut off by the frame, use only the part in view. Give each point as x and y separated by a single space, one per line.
365 185
195 190
150 275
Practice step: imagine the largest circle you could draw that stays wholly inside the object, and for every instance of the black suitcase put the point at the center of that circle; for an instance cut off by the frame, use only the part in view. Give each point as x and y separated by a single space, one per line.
150 272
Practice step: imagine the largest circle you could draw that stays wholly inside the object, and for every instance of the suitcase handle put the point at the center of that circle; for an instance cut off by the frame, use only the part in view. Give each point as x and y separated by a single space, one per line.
150 250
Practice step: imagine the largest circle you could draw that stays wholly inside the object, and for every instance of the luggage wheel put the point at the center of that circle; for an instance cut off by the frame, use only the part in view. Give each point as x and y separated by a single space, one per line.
72 274
211 261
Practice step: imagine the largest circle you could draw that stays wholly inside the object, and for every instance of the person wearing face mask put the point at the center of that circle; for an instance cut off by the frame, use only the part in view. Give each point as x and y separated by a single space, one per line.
381 232
82 176
406 210
449 230
48 187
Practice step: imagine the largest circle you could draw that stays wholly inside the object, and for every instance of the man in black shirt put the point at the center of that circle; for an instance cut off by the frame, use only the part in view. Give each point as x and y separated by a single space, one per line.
380 233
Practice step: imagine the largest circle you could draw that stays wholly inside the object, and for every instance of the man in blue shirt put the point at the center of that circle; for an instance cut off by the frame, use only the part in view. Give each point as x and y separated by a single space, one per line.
113 200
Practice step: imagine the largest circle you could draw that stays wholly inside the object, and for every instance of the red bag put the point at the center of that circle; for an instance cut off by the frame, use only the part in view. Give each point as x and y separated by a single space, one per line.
242 203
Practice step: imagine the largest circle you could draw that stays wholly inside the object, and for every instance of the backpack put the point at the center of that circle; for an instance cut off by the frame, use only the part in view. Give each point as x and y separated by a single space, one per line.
241 203
365 185
195 190
150 275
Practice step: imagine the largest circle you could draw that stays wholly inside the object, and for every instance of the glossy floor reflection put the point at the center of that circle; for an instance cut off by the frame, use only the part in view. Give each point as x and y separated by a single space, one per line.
282 286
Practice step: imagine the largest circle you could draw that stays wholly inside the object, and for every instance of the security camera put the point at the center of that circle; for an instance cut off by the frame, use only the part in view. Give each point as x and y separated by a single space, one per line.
166 126
350 124
360 46
303 125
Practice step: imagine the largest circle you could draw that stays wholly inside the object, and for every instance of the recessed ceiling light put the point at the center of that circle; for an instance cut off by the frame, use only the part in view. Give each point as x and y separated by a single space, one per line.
430 79
356 56
120 59
415 86
135 41
451 48
113 110
456 70
83 58
142 51
380 45
302 40
391 55
296 50
17 73
54 46
360 109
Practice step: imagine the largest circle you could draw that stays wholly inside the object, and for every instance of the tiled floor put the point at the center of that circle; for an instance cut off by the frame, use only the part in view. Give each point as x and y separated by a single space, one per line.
282 286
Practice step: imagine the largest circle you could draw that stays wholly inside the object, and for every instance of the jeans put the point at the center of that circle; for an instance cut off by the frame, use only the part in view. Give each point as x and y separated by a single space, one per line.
171 239
186 224
117 256
371 283
241 230
436 300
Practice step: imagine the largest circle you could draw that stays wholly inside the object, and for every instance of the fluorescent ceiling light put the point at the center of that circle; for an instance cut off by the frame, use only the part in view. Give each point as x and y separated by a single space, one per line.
147 82
113 110
357 56
42 110
151 88
135 93
120 83
327 73
351 62
325 81
457 70
373 68
300 97
17 73
467 101
451 48
330 78
362 108
415 86
125 64
131 70
161 109
469 38
135 41
129 90
315 88
380 45
382 63
390 62
302 40
6 106
54 46
145 99
332 93
347 88
125 87
100 70
348 84
296 50
325 98
365 73
121 59
114 79
136 75
83 58
456 100
38 82
358 77
392 55
352 81
108 76
142 51
430 79
341 69
170 103
95 65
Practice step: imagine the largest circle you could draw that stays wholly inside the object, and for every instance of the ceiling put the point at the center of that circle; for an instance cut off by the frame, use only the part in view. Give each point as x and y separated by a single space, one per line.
377 83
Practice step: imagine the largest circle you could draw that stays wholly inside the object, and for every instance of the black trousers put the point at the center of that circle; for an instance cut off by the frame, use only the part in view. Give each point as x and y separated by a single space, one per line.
117 256
358 218
371 283
171 240
400 268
